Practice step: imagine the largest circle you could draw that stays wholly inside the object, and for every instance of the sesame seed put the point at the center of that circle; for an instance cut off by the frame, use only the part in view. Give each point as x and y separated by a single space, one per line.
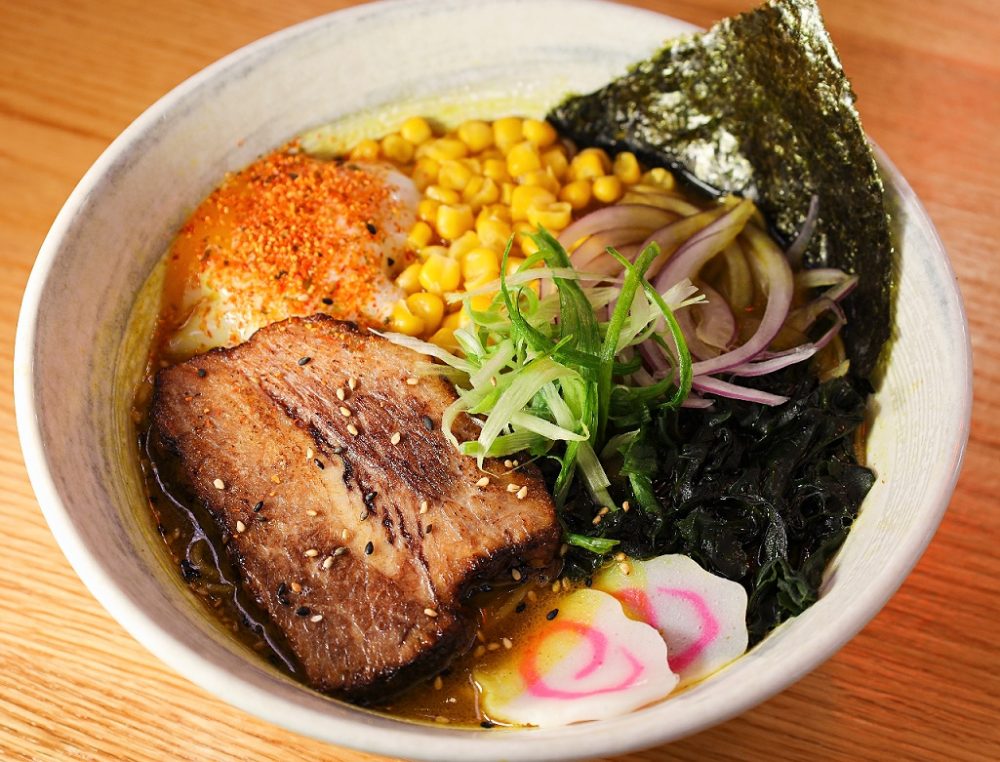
487 724
311 513
352 384
352 429
428 529
412 381
508 463
552 614
339 552
516 574
305 360
522 493
340 394
259 506
515 463
296 587
520 607
565 583
363 516
345 535
424 506
319 464
493 381
619 556
480 650
241 527
312 553
219 484
597 520
532 596
556 586
441 719
369 548
431 613
428 423
604 511
282 595
345 412
328 562
438 683
484 482
202 372
563 550
508 643
396 436
303 611
327 301
480 637
493 647
316 618
513 487
625 568
309 453
625 506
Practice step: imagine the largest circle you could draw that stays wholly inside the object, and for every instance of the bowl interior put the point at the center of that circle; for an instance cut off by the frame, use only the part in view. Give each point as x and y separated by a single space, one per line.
448 58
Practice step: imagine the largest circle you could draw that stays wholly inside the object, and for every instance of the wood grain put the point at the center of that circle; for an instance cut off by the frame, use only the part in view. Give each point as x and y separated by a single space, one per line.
922 681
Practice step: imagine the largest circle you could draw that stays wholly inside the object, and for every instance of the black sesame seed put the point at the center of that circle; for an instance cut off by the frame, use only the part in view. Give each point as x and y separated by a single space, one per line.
303 611
282 595
259 507
589 581
428 529
371 228
189 571
364 515
552 614
305 360
369 498
487 724
390 261
428 423
369 548
319 464
327 301
520 607
202 372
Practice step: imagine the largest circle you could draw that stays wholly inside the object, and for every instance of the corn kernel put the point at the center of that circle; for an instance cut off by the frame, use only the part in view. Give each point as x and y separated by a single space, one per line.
492 232
453 220
416 129
453 175
540 178
397 149
440 273
528 246
513 265
482 302
429 308
477 135
463 244
588 164
445 338
427 209
366 150
507 132
554 216
420 235
409 279
480 263
474 165
496 170
608 189
541 134
660 177
442 194
555 162
524 196
404 321
523 158
480 192
626 168
425 173
456 320
507 193
443 149
497 212
576 194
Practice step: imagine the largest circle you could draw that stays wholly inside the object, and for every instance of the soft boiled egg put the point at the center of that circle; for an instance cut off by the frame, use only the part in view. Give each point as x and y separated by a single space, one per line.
290 235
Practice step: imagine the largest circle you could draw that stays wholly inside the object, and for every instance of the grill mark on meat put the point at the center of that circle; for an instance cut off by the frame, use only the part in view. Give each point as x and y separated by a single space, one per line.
263 400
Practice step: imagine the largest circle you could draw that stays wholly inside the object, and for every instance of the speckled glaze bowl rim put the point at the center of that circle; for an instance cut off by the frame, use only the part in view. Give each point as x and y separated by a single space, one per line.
640 729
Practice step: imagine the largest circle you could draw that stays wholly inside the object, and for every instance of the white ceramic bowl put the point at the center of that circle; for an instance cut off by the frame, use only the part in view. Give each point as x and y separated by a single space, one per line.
75 360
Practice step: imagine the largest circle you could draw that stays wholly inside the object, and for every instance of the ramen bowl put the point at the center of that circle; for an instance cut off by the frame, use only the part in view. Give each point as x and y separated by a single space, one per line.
84 332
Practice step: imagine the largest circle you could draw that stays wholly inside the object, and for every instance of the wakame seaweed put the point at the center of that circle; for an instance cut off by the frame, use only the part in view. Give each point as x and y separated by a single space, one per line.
761 495
760 106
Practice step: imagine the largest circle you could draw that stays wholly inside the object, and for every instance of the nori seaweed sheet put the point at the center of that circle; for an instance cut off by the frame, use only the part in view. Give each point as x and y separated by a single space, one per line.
760 106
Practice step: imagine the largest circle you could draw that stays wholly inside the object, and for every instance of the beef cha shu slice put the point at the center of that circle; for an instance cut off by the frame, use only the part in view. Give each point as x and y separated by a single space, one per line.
262 422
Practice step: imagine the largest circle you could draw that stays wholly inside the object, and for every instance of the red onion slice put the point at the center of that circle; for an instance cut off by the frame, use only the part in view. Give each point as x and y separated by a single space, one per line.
611 217
801 242
711 385
717 326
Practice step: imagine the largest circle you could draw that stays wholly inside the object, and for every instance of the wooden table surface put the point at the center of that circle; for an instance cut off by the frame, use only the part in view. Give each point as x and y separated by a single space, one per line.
922 681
